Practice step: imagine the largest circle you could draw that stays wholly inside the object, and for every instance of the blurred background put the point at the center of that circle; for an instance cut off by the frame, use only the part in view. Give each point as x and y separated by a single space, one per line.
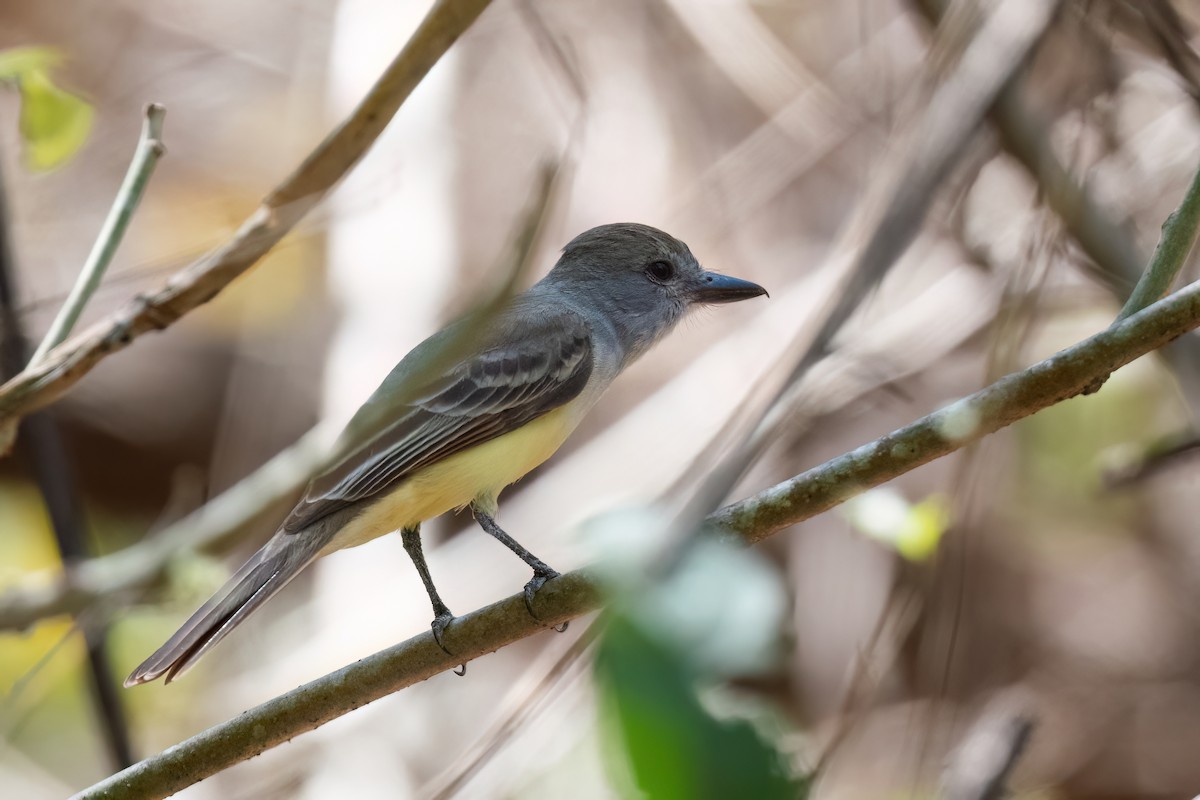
1059 573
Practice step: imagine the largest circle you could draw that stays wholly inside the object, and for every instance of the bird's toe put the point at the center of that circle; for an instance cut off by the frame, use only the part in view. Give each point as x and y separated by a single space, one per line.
540 577
439 625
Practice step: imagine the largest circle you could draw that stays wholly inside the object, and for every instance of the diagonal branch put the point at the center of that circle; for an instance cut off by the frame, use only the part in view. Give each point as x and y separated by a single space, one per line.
149 150
279 212
1013 397
1178 238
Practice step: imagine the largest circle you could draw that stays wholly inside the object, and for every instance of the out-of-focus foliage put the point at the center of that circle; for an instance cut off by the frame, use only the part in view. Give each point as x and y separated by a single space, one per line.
676 749
54 123
914 529
713 617
20 510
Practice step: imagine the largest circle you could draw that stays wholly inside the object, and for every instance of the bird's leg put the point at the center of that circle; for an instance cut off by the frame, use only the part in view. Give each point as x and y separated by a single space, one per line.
442 616
542 571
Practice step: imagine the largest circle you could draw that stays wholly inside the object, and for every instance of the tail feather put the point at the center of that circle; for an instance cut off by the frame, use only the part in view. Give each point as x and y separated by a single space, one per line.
269 570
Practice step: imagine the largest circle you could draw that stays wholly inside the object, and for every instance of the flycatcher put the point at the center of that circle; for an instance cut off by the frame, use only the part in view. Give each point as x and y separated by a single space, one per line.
487 418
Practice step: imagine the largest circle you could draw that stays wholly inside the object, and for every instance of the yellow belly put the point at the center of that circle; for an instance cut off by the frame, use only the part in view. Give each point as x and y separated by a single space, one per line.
479 473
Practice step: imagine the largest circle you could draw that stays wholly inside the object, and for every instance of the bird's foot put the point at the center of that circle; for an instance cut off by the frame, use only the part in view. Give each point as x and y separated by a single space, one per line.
439 625
540 576
542 571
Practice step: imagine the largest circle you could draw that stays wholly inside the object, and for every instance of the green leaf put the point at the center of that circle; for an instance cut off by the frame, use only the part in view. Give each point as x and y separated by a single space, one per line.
17 62
54 123
673 747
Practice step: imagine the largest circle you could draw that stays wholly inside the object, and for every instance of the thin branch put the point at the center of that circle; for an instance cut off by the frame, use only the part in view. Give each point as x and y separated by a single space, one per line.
1178 238
932 146
1013 397
49 463
47 454
149 149
1025 134
1109 244
1174 38
1173 453
279 212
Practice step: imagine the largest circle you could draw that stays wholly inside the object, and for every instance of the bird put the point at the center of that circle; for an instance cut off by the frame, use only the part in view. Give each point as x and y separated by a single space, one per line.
456 431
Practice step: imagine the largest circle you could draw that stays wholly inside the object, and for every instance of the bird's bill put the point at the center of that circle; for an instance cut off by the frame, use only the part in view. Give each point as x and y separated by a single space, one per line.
716 288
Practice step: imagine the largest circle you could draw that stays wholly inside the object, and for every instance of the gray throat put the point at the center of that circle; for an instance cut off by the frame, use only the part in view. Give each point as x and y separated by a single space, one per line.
620 335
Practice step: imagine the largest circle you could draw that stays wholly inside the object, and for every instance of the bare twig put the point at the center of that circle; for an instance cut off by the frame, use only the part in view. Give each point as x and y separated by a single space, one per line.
891 219
149 149
279 212
1012 398
47 459
1178 238
1157 461
1174 38
1109 244
1025 133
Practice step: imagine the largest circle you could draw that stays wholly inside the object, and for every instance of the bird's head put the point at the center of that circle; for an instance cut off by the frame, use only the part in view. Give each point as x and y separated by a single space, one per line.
642 279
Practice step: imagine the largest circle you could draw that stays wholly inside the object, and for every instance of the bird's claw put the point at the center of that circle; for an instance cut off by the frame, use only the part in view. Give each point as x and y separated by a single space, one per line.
540 576
438 626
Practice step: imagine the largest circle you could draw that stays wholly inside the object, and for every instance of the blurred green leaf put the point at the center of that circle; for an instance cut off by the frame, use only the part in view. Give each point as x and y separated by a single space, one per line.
54 123
676 749
723 605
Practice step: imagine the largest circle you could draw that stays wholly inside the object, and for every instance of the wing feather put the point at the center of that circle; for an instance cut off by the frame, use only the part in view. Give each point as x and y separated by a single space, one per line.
524 371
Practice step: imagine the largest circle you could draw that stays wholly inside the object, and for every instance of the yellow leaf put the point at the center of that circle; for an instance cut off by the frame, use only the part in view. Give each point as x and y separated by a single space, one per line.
54 123
913 530
923 527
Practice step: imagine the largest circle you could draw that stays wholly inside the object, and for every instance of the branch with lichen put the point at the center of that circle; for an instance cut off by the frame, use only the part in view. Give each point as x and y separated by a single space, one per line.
1014 397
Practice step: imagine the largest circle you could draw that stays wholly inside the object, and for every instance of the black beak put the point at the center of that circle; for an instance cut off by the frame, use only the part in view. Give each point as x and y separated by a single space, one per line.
716 288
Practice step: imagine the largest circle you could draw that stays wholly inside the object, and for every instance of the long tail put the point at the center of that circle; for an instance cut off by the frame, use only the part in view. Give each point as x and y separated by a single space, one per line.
269 570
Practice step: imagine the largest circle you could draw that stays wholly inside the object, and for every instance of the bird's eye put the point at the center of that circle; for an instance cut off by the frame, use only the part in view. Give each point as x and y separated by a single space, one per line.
661 271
